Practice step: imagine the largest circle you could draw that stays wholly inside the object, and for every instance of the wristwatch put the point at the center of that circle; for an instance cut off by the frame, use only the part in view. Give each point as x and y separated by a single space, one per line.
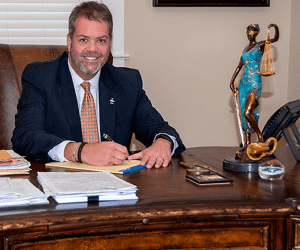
166 137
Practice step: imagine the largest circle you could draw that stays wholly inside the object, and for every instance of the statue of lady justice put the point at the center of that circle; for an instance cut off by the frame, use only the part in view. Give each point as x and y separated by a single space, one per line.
249 89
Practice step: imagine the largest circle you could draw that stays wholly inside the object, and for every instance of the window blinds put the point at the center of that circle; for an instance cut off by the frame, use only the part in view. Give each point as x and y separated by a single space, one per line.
35 21
46 22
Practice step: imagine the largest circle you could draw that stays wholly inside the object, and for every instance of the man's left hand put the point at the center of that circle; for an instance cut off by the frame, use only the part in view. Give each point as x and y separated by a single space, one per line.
157 155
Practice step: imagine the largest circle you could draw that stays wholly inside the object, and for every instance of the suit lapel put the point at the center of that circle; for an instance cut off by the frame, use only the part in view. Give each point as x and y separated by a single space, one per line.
108 102
66 93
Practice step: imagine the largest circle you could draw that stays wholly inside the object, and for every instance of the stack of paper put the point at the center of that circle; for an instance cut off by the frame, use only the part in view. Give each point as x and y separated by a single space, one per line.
67 187
12 163
20 192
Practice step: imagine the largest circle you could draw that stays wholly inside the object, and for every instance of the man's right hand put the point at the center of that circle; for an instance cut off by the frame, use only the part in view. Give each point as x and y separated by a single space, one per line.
104 153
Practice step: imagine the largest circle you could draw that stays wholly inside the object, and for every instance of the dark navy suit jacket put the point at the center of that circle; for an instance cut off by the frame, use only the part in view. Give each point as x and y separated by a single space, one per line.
48 112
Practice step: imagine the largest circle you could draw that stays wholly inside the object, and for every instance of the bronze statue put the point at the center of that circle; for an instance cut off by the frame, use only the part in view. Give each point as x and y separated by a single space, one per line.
249 89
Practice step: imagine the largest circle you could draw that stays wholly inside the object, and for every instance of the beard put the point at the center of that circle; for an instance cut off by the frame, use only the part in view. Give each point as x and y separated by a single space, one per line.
80 65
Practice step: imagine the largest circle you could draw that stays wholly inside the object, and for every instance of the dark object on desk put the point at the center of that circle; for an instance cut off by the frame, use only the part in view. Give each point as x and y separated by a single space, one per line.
209 179
230 163
93 199
280 123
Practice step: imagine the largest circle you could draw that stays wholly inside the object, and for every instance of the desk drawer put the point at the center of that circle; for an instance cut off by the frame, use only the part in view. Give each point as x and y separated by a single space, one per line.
245 235
294 232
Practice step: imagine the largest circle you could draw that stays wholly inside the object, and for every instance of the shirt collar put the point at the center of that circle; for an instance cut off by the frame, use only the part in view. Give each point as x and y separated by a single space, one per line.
77 80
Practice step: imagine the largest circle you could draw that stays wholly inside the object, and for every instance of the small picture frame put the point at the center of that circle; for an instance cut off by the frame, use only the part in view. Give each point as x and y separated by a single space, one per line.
209 179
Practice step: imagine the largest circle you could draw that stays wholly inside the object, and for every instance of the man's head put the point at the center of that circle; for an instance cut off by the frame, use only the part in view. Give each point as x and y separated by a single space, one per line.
90 38
91 11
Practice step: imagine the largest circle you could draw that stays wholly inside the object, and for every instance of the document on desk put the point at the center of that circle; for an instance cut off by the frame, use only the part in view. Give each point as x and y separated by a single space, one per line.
125 168
12 163
68 187
20 192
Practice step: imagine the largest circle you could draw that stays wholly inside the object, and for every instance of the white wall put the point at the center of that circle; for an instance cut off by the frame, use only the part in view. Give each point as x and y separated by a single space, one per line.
294 65
187 57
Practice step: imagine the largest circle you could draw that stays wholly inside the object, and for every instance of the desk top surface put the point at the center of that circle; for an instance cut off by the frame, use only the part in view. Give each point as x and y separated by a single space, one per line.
166 191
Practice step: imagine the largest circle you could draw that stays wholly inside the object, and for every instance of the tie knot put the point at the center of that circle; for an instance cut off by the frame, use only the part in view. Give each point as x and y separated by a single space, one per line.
86 86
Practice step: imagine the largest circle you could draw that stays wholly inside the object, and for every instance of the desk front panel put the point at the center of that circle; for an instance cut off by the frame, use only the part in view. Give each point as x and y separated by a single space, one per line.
180 233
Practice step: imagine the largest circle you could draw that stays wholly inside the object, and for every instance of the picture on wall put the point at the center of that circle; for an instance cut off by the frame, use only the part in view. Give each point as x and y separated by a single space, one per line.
211 3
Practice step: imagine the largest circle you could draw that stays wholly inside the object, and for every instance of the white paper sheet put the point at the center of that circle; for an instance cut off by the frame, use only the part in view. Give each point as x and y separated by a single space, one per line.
18 192
66 187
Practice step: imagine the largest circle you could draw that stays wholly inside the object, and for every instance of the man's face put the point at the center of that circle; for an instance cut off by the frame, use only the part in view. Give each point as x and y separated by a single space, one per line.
90 47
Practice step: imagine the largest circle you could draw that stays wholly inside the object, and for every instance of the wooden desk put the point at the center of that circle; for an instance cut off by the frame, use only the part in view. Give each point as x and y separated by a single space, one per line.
171 213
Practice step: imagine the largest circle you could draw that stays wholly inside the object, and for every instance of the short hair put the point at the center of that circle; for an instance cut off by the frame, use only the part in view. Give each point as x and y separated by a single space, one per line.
92 11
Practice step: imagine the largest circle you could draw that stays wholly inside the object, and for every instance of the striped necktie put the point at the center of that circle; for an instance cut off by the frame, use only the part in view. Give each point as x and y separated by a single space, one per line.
89 125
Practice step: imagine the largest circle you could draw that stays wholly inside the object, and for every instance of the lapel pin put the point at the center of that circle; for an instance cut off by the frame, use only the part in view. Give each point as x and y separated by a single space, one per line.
112 101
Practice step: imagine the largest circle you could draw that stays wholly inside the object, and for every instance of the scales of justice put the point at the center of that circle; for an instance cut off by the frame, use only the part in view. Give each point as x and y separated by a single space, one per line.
257 61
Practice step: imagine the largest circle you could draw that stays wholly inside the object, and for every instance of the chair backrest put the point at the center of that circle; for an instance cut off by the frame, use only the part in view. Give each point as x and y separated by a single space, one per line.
14 59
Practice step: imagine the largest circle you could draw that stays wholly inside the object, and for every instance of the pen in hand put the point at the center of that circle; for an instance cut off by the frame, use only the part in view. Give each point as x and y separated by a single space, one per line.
108 138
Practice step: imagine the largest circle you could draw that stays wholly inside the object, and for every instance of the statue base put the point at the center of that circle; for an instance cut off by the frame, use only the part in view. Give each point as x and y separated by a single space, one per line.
230 163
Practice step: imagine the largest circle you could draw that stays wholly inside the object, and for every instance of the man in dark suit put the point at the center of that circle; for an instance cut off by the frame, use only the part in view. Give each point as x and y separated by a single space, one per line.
48 122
